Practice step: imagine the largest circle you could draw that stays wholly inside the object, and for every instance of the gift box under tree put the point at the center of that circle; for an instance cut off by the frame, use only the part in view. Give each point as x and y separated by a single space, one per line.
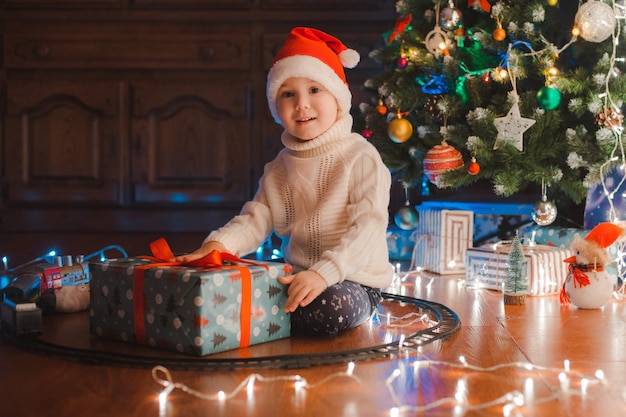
189 309
543 265
441 239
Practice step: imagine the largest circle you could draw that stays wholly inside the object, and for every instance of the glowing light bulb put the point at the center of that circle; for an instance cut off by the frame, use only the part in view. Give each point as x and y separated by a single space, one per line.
350 368
576 31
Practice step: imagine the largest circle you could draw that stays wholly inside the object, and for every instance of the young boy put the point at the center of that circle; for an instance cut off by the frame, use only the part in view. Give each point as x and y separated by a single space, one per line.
325 194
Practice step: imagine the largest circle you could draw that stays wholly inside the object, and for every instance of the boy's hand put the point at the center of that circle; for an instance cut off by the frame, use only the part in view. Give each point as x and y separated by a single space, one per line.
304 287
201 252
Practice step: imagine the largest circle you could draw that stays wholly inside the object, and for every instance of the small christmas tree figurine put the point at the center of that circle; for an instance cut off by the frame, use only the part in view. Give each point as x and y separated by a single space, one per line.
516 283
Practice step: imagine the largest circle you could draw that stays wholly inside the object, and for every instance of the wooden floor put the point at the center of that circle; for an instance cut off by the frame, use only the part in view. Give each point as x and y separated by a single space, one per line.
504 359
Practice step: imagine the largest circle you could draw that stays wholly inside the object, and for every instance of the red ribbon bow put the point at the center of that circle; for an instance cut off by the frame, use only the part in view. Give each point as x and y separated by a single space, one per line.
162 255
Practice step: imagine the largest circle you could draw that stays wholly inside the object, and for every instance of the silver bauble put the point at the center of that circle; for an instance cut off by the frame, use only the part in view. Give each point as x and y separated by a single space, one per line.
596 21
450 18
544 212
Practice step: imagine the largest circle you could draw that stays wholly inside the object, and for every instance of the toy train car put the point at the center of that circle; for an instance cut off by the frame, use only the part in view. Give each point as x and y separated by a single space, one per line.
20 313
20 317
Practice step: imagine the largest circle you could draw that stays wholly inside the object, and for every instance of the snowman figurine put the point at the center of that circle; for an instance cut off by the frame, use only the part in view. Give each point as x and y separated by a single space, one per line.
588 285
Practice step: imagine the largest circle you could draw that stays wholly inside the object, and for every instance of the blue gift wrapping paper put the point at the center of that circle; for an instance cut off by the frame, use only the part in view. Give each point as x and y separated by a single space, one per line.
187 309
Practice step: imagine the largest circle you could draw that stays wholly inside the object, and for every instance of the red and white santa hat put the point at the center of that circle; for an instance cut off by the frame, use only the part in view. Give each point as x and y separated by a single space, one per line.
311 53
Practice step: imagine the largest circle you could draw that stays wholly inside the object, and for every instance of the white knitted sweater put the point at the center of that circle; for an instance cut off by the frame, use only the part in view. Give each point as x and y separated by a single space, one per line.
327 199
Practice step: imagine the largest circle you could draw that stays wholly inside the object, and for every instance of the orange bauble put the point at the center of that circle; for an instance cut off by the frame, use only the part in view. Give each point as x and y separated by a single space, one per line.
499 34
440 159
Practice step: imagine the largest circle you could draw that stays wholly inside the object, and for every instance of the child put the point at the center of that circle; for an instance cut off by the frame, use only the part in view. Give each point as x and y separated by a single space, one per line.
325 194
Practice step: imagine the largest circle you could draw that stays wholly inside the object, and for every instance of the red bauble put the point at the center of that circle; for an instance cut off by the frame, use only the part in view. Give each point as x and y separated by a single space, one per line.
402 62
382 110
367 133
473 168
440 159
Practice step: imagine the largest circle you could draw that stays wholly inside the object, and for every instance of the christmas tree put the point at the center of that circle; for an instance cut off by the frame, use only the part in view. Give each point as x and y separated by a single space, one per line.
516 283
516 93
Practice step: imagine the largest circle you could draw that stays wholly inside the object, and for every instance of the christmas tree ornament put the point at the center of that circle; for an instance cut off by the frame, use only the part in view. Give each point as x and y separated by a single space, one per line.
380 108
473 168
483 4
515 288
549 98
511 128
609 118
450 17
499 34
400 130
588 285
432 106
436 41
367 133
544 212
406 218
440 159
596 21
402 24
402 62
552 2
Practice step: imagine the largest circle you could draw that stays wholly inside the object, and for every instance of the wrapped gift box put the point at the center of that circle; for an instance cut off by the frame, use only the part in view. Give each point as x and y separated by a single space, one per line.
544 266
193 310
442 238
400 243
560 237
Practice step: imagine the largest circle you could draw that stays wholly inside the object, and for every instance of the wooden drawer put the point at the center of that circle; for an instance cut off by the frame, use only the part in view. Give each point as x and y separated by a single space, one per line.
325 4
78 4
126 51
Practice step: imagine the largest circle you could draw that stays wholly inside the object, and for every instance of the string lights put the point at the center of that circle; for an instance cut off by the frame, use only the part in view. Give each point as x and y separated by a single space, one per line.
406 375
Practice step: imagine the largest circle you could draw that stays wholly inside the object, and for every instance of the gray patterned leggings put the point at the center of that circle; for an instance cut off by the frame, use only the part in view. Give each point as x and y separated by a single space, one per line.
340 307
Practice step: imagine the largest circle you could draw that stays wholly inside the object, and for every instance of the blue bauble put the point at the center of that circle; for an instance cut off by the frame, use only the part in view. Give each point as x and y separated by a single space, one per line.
406 218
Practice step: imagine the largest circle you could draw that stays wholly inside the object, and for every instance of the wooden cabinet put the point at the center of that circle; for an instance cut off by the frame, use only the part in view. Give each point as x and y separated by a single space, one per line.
149 115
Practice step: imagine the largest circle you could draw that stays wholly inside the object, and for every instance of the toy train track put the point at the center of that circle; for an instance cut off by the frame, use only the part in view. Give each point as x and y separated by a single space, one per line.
443 323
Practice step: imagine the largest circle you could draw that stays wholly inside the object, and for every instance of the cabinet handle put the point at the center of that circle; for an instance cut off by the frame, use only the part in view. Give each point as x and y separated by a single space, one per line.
42 51
207 53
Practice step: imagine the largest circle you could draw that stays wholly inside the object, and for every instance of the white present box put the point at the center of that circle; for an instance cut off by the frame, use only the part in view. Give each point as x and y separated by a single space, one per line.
441 239
487 267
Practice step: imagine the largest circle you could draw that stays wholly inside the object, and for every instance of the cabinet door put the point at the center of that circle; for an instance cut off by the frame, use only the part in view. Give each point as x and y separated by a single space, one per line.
190 142
63 138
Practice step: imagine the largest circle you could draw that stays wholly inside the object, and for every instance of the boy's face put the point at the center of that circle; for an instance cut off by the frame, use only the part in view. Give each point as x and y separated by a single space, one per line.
305 108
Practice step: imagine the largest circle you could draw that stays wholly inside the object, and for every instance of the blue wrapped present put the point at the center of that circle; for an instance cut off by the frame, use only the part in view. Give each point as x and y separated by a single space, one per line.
188 309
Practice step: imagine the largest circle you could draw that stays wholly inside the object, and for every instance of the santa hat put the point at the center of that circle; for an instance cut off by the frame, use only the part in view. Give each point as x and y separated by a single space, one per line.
604 234
311 53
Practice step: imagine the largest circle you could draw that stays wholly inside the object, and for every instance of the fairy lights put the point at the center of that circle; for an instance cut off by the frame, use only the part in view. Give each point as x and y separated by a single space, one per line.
405 377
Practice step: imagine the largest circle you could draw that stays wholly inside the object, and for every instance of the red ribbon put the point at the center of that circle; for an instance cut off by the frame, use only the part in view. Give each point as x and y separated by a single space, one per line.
483 3
162 254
